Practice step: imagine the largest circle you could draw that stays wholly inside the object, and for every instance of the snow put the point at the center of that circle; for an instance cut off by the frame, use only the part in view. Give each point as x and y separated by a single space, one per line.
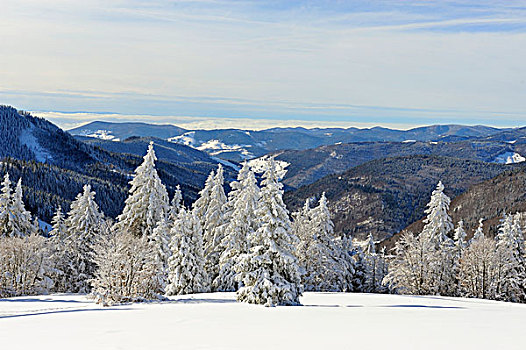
216 321
216 147
226 163
99 134
409 141
187 139
27 138
509 158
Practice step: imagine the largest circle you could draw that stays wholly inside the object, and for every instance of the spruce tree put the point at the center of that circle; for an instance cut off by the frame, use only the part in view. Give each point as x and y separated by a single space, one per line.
147 203
186 271
241 222
270 272
318 254
176 204
84 223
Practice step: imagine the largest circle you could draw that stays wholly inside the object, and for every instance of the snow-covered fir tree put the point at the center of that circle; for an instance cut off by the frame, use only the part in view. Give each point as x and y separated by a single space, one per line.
511 274
160 242
127 269
460 236
479 232
21 217
269 272
438 222
351 260
176 204
186 270
147 203
57 244
15 220
84 224
317 253
213 222
241 222
375 268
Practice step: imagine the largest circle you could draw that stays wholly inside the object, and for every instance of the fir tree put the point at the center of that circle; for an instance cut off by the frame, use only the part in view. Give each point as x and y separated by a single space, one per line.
270 272
241 223
84 223
186 272
318 254
438 222
147 203
511 274
176 204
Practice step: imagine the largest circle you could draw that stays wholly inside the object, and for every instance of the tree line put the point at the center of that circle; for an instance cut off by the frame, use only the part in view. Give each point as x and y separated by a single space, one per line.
245 241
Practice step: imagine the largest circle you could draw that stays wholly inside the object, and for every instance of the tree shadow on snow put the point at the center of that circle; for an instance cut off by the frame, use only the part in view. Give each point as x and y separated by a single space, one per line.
316 305
41 300
201 301
424 306
49 312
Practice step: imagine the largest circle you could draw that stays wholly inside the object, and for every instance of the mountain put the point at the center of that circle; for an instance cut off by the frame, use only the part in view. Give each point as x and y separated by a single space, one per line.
383 196
488 200
121 131
307 166
54 165
238 144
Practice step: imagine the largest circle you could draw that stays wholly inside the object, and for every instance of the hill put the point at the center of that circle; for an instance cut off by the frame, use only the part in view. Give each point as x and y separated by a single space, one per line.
54 165
307 166
385 195
488 200
239 144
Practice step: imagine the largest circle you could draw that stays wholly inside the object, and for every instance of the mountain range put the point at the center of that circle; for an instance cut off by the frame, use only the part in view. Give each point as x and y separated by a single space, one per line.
239 144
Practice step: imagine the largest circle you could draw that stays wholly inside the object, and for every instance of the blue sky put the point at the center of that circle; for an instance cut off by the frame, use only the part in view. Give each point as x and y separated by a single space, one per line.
364 63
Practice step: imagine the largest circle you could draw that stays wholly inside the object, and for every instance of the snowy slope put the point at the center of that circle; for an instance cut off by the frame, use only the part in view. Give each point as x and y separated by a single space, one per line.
216 321
509 158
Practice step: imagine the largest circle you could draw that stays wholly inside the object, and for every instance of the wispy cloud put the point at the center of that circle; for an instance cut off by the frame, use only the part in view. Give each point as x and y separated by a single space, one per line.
408 62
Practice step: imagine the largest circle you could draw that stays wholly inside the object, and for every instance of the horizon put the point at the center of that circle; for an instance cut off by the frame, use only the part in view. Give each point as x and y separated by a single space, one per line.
68 121
397 64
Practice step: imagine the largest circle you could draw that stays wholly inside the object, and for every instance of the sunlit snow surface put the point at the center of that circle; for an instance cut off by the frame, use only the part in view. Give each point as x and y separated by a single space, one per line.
509 158
216 321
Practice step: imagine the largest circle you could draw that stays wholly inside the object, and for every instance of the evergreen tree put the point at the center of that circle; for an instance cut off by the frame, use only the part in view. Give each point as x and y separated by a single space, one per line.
84 223
58 228
160 242
11 212
214 225
270 272
22 220
58 254
241 223
438 222
186 272
176 204
317 253
511 274
147 203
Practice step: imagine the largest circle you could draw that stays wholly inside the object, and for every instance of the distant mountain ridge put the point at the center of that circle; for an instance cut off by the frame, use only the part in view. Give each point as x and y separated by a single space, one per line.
54 165
239 144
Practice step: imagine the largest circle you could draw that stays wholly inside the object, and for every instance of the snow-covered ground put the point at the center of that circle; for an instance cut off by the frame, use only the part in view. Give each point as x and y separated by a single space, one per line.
509 158
216 321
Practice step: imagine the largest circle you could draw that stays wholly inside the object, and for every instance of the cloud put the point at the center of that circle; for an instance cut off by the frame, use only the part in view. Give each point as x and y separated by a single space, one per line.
346 61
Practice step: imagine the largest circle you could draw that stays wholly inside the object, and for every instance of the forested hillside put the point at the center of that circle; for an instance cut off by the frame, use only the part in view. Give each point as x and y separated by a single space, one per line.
54 165
383 196
307 166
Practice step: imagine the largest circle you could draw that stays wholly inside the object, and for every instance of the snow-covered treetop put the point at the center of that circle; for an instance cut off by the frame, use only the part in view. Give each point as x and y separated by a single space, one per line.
438 222
148 202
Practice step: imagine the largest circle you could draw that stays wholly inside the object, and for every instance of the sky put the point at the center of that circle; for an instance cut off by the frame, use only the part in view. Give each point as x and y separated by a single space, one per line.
253 63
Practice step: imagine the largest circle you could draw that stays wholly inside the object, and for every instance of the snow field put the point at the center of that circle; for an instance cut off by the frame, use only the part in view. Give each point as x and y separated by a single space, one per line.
217 321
